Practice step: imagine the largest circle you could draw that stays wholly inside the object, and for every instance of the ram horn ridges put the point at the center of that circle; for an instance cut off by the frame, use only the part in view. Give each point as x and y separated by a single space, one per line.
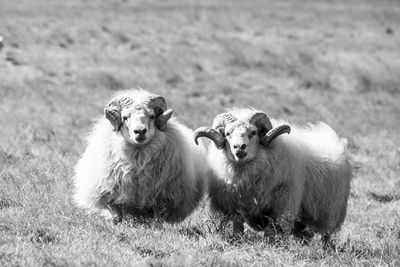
273 133
161 121
162 114
210 133
158 104
262 121
113 113
221 120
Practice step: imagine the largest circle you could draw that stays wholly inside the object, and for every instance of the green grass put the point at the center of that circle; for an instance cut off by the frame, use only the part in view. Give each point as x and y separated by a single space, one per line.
336 61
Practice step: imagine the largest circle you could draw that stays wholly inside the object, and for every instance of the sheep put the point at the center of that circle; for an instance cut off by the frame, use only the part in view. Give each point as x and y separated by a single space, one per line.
264 177
140 161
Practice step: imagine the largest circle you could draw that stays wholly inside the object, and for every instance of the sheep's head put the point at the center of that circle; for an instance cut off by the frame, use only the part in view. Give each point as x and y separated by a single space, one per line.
138 119
241 139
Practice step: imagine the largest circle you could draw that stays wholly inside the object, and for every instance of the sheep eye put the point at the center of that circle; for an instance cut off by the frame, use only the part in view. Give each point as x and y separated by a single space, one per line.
227 134
253 133
124 118
152 117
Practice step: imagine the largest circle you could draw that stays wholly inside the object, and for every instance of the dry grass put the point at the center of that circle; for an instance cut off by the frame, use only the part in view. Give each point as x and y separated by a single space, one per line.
336 61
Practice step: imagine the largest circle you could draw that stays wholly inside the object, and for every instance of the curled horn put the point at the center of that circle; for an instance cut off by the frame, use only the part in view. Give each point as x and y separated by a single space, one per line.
210 133
215 133
222 120
267 133
158 104
113 113
261 120
162 113
275 132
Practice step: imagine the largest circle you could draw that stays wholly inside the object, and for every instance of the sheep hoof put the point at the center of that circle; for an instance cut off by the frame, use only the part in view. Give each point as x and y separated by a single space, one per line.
238 228
116 213
301 232
270 235
161 211
117 219
327 242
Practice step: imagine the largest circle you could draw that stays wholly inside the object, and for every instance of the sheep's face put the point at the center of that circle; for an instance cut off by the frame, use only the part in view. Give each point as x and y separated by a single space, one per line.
138 124
242 142
241 138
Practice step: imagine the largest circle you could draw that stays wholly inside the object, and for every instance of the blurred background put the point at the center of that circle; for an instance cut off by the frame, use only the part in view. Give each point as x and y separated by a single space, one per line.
336 61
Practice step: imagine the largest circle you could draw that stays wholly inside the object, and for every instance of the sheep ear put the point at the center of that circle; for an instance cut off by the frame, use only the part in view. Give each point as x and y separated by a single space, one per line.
161 120
113 113
274 133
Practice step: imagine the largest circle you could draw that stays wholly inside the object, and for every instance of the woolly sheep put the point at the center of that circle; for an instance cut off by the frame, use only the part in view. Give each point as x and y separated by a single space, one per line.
262 176
141 161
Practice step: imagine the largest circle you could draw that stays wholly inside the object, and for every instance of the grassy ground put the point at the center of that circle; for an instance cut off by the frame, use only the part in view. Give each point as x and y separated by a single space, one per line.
337 61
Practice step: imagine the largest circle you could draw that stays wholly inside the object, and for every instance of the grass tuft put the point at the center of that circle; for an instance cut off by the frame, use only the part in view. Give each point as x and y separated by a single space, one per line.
44 236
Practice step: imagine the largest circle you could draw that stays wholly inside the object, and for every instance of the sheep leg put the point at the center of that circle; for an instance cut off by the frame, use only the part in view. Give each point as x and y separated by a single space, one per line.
176 213
109 210
161 210
116 213
238 227
327 241
224 198
285 207
280 217
300 231
272 229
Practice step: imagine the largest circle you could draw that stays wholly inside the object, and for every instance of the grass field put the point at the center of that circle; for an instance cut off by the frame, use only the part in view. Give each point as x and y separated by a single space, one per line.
336 61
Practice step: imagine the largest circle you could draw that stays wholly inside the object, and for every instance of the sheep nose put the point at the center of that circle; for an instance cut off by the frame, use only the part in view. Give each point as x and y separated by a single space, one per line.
241 147
141 131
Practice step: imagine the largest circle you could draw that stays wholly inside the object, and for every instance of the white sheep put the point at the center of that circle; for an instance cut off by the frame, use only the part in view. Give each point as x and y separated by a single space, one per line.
262 176
141 161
